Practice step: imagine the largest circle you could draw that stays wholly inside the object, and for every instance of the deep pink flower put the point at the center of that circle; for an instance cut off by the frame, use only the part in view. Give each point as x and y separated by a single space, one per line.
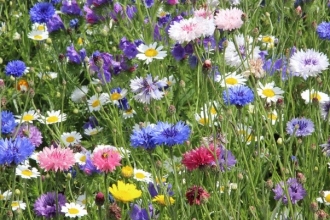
229 19
196 195
106 159
55 159
200 157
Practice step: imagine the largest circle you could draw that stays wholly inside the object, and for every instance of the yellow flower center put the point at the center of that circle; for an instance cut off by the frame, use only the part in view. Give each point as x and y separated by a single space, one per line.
115 96
213 111
268 92
140 176
83 158
70 139
80 41
267 39
327 198
129 111
96 103
27 172
127 171
15 204
2 197
52 119
151 52
93 132
231 81
203 121
222 189
272 116
315 96
41 28
161 199
73 211
37 37
28 117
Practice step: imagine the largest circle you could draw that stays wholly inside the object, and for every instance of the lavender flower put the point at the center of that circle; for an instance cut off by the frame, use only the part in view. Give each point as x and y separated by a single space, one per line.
300 127
295 190
138 213
226 159
31 132
73 55
45 205
55 23
70 7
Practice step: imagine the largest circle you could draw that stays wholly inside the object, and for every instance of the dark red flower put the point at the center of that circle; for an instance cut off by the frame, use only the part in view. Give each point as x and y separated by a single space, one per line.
196 195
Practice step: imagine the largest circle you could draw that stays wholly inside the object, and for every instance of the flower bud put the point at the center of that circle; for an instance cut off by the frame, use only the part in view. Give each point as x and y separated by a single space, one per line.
99 199
313 206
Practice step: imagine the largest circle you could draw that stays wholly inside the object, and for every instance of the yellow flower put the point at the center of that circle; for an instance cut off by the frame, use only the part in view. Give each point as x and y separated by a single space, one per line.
124 192
161 199
127 171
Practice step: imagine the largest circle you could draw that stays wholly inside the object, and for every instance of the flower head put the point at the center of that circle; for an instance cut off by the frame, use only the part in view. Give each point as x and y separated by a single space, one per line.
15 151
73 210
106 160
56 158
163 200
138 213
300 127
200 157
45 205
229 19
325 198
16 68
196 195
18 205
78 94
295 189
42 12
71 138
124 192
28 116
97 101
238 95
143 138
226 159
270 92
26 172
230 79
308 63
53 117
8 123
5 195
312 95
31 132
141 175
323 30
170 135
150 52
325 108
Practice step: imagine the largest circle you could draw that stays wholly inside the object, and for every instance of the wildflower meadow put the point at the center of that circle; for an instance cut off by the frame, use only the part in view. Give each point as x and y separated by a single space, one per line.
164 109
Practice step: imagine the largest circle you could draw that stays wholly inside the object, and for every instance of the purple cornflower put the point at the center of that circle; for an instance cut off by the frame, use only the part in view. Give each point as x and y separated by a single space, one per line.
16 68
295 190
169 134
131 10
130 50
89 168
323 30
8 123
138 213
72 55
300 127
31 132
91 16
148 3
15 151
178 52
102 63
155 189
42 12
147 88
55 23
143 138
71 7
226 159
98 3
45 205
239 95
91 123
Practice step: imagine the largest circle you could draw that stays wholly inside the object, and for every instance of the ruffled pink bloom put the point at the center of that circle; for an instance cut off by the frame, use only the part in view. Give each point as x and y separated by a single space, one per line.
55 159
229 19
200 157
202 13
172 2
106 159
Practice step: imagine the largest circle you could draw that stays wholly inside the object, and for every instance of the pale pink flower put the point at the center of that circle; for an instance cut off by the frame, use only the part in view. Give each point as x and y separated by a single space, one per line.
202 13
229 19
55 159
106 159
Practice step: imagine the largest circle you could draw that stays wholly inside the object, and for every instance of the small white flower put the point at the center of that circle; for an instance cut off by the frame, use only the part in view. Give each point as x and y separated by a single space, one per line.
47 75
141 175
81 200
53 117
231 79
5 195
268 41
325 198
270 92
73 210
205 119
117 94
15 205
309 95
80 157
79 94
150 52
129 113
38 35
26 173
92 131
28 116
71 138
97 101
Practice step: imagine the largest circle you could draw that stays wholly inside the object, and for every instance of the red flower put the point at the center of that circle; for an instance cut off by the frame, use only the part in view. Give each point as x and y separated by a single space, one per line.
196 195
202 156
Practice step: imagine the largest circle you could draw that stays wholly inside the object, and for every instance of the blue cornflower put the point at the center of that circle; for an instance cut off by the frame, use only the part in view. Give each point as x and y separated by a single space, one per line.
300 127
42 12
8 123
16 68
148 3
73 55
15 151
239 95
178 52
74 23
323 30
130 50
55 23
169 134
143 138
71 7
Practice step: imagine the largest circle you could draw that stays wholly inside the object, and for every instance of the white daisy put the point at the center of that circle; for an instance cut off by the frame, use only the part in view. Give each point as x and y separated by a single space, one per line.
92 131
28 116
5 195
38 35
73 210
47 75
39 27
34 156
212 108
71 138
141 175
129 113
268 41
79 94
244 52
231 79
15 205
308 63
204 118
96 101
270 92
325 198
150 52
310 95
80 157
82 200
26 173
117 94
52 117
170 80
272 116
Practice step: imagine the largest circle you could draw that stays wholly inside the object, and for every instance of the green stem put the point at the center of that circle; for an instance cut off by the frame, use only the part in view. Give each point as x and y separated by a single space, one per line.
27 200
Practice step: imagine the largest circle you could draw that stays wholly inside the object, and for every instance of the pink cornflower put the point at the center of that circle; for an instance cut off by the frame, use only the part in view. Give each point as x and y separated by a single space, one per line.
106 159
196 195
229 19
202 13
55 159
200 157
